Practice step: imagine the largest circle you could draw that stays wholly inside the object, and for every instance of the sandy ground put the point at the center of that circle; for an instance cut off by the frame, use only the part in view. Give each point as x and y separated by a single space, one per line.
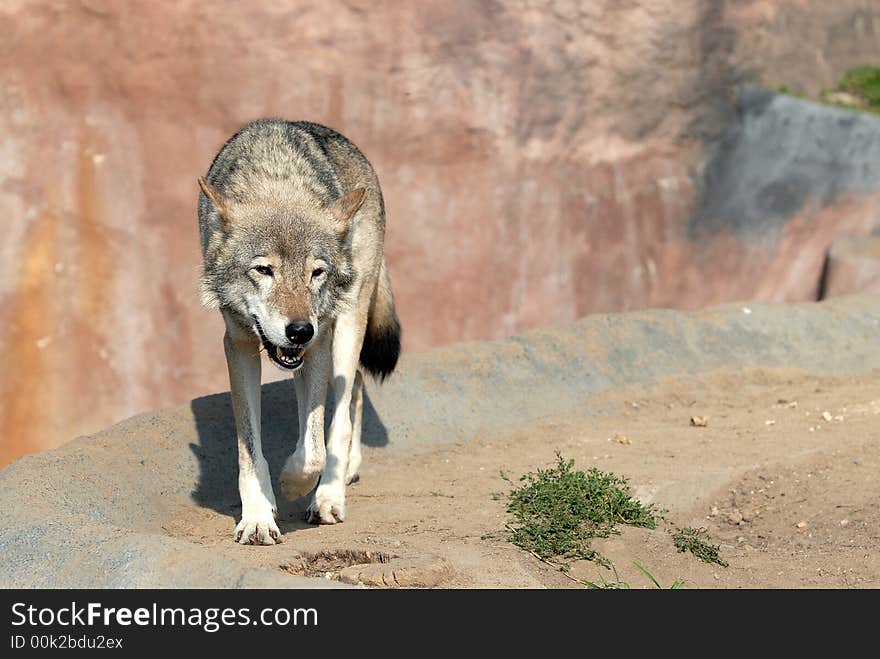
791 495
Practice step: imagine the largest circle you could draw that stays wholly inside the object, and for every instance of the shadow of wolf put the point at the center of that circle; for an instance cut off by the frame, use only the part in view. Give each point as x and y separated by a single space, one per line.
217 451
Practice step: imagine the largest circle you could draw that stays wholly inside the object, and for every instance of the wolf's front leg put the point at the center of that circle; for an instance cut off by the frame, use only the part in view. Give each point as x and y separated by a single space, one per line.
304 467
328 504
257 525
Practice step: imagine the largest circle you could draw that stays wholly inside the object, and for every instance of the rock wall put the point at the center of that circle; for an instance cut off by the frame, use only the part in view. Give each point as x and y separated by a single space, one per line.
853 265
541 160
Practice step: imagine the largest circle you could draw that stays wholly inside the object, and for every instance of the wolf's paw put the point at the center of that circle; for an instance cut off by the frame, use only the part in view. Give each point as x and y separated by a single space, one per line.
328 505
257 530
298 480
351 472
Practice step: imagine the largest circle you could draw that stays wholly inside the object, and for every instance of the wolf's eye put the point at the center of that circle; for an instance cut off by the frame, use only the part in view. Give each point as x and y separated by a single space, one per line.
264 269
317 272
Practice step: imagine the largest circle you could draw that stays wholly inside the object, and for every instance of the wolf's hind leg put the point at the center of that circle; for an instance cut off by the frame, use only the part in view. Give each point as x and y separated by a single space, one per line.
357 417
257 525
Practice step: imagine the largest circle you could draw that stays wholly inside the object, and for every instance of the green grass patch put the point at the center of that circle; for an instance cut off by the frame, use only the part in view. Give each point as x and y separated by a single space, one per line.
863 82
692 540
618 584
858 89
785 89
558 511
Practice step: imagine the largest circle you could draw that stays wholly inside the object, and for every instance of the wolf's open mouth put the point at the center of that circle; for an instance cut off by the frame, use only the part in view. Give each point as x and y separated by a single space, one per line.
288 358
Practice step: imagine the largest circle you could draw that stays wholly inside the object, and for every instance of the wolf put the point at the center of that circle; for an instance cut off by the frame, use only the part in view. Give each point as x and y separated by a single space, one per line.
292 227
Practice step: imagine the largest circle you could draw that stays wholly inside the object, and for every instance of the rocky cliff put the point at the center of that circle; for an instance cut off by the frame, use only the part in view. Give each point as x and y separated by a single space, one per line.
541 160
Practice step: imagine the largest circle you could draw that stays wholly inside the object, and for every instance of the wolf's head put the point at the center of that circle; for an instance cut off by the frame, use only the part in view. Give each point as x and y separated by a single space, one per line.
283 270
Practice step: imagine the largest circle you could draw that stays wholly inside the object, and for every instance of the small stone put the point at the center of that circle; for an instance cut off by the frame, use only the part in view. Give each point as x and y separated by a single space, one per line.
769 422
801 525
714 511
735 517
699 421
838 417
421 572
826 415
622 439
844 522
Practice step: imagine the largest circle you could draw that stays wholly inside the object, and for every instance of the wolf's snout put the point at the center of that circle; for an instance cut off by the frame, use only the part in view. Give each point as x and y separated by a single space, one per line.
299 333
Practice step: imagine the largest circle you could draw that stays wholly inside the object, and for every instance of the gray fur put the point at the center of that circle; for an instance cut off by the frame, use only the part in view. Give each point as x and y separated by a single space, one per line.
292 225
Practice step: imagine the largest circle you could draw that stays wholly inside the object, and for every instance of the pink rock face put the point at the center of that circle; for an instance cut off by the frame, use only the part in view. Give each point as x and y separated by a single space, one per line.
853 266
538 162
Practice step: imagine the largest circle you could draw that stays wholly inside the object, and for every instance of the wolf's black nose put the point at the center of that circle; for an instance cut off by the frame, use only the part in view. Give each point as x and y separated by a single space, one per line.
299 333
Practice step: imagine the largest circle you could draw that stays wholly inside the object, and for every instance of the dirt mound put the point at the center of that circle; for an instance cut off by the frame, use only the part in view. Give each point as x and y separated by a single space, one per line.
152 501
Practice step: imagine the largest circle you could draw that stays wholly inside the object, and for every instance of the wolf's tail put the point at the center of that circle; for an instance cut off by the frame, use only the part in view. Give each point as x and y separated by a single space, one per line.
381 346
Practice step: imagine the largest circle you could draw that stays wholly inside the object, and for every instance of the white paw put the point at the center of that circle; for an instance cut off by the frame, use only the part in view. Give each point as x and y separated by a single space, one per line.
257 530
297 480
328 505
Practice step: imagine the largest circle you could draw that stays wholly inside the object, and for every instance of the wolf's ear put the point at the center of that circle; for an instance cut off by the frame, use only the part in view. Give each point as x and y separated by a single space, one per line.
344 208
216 199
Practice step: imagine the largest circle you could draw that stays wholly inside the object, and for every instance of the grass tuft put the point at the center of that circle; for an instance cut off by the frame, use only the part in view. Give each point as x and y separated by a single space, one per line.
690 539
858 89
558 511
864 82
618 584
